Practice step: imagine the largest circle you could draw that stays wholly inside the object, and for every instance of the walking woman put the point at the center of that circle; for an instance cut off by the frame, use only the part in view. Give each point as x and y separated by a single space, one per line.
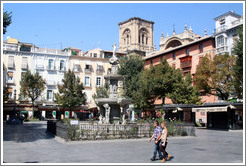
163 144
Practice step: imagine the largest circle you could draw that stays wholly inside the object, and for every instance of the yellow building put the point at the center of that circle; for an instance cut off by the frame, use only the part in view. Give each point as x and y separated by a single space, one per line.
91 69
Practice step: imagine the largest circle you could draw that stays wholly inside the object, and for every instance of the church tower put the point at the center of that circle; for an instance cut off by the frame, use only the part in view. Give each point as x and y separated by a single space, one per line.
136 34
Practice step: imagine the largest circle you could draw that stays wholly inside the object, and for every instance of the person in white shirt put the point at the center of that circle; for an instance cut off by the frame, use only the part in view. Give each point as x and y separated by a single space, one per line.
163 144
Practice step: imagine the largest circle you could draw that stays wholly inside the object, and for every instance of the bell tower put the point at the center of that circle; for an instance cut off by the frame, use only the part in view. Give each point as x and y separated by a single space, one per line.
136 34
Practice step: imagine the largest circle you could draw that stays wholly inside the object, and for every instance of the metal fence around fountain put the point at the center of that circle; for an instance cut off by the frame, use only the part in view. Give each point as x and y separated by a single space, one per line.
104 131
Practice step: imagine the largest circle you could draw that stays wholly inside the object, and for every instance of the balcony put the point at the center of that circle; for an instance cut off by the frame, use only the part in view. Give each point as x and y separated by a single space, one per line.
62 69
99 71
51 68
11 65
24 66
88 70
186 62
222 49
10 81
50 83
76 68
39 67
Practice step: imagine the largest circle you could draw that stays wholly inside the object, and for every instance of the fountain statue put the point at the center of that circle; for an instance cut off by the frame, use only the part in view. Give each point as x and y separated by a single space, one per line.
111 108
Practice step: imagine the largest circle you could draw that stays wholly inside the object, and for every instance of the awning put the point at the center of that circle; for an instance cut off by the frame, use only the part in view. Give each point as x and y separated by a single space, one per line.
210 109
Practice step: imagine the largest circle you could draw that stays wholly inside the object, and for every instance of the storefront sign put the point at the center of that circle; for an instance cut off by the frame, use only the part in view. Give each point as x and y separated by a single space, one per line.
74 122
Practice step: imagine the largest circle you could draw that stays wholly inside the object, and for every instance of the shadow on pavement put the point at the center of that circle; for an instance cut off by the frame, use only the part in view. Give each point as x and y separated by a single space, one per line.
27 132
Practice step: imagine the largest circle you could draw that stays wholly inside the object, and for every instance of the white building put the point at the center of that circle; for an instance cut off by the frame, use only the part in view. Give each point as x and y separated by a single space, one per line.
226 26
51 64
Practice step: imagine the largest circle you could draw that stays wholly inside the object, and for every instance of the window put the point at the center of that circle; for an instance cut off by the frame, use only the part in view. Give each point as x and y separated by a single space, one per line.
151 62
222 21
10 91
146 41
11 61
220 41
62 65
24 63
49 95
40 63
99 68
51 64
174 56
88 68
95 55
87 81
98 81
142 38
187 51
201 48
10 75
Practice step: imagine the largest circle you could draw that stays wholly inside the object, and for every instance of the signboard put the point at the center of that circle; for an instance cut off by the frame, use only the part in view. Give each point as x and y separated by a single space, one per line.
74 122
66 114
54 114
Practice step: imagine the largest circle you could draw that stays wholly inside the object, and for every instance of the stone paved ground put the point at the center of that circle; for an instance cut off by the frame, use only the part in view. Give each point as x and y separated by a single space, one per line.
29 143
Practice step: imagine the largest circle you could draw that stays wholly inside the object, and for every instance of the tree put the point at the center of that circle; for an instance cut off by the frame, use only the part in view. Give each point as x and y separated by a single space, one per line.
163 80
131 67
216 75
238 69
144 96
101 92
183 92
32 85
70 93
6 20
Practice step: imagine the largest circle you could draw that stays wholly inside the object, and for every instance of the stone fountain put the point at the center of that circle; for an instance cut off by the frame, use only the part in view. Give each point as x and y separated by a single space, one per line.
113 107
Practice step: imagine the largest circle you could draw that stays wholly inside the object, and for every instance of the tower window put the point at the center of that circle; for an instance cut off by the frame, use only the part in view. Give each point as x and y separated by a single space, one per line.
142 38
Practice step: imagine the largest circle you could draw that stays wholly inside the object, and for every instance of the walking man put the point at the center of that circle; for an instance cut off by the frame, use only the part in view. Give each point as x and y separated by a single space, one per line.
157 133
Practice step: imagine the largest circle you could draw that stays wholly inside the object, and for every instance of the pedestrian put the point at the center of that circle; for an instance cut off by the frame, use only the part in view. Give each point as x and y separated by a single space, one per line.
163 144
157 133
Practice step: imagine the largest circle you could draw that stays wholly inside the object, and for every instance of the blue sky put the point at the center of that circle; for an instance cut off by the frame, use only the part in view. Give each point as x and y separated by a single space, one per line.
92 25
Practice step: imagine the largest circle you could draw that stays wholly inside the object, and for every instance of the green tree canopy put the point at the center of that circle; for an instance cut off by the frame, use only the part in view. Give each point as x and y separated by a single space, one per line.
163 79
144 96
216 75
70 93
238 69
6 20
130 67
183 91
32 85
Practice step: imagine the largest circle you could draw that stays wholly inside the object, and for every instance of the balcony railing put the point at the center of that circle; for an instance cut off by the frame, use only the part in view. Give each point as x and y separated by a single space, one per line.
99 71
8 81
24 66
50 82
52 51
76 68
52 68
88 70
62 69
40 67
221 49
11 65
